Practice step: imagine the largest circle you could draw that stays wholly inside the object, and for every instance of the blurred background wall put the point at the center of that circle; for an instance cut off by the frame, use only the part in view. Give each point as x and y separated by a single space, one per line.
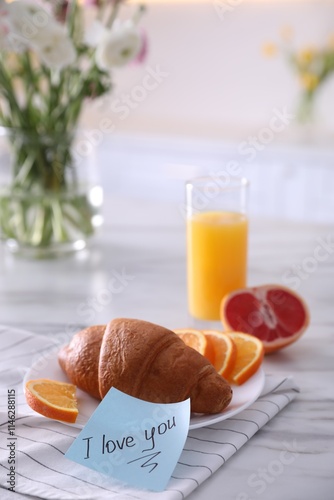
207 95
209 77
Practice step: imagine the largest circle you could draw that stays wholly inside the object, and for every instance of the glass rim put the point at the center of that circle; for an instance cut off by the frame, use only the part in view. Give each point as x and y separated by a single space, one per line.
234 182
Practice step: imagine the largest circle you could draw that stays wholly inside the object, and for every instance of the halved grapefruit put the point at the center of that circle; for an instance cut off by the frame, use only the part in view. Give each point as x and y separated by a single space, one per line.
274 314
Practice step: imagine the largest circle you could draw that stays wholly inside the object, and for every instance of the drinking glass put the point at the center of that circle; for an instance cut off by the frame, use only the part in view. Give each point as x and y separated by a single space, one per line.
217 233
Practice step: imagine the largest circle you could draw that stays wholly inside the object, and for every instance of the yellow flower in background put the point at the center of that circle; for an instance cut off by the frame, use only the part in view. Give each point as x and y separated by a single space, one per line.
269 49
306 56
286 33
331 41
311 65
309 81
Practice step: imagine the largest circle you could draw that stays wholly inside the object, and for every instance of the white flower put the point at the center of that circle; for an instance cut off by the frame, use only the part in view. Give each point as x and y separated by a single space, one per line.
54 47
10 39
118 46
26 19
32 27
94 33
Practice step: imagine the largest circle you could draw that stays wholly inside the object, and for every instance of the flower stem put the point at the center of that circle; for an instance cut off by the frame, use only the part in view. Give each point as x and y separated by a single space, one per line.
113 13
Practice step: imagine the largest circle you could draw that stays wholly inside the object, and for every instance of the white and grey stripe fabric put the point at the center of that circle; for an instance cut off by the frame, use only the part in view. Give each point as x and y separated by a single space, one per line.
43 472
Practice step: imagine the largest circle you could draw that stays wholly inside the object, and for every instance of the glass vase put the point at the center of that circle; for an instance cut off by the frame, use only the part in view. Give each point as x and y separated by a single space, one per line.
50 200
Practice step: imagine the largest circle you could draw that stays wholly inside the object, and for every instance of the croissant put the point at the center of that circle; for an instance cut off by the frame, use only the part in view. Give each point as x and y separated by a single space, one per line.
146 361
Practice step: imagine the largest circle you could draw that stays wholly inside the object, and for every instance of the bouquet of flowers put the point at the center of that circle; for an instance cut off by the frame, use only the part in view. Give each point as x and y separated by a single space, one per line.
51 61
312 65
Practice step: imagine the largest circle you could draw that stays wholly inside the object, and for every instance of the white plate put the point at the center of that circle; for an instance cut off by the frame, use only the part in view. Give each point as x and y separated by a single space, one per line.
243 396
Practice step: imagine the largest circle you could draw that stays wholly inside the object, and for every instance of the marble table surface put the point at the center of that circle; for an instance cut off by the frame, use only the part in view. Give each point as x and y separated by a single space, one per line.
140 255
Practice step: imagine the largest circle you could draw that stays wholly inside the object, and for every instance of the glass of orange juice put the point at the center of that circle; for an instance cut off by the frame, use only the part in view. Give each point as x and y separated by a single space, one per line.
217 230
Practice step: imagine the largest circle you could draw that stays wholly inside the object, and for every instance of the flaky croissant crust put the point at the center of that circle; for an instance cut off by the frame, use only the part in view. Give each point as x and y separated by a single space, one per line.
146 361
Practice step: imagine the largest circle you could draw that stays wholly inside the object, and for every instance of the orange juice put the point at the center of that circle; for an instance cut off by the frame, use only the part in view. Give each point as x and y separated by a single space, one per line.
217 260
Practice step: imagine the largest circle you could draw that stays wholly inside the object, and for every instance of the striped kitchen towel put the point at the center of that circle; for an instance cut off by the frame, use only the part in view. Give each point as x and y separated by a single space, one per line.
42 471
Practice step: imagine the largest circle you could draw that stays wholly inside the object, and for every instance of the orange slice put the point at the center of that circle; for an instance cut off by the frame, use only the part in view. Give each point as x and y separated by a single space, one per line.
224 349
250 352
52 399
193 338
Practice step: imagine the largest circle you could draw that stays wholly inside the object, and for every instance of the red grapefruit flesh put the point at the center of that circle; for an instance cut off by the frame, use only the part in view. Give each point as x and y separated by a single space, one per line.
272 313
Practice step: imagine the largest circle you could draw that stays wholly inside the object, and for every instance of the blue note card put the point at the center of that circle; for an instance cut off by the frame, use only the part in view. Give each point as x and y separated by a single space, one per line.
132 440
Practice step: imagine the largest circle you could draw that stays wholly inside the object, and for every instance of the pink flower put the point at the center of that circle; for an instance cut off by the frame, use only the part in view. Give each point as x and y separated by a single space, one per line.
61 10
98 3
140 58
4 27
93 3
